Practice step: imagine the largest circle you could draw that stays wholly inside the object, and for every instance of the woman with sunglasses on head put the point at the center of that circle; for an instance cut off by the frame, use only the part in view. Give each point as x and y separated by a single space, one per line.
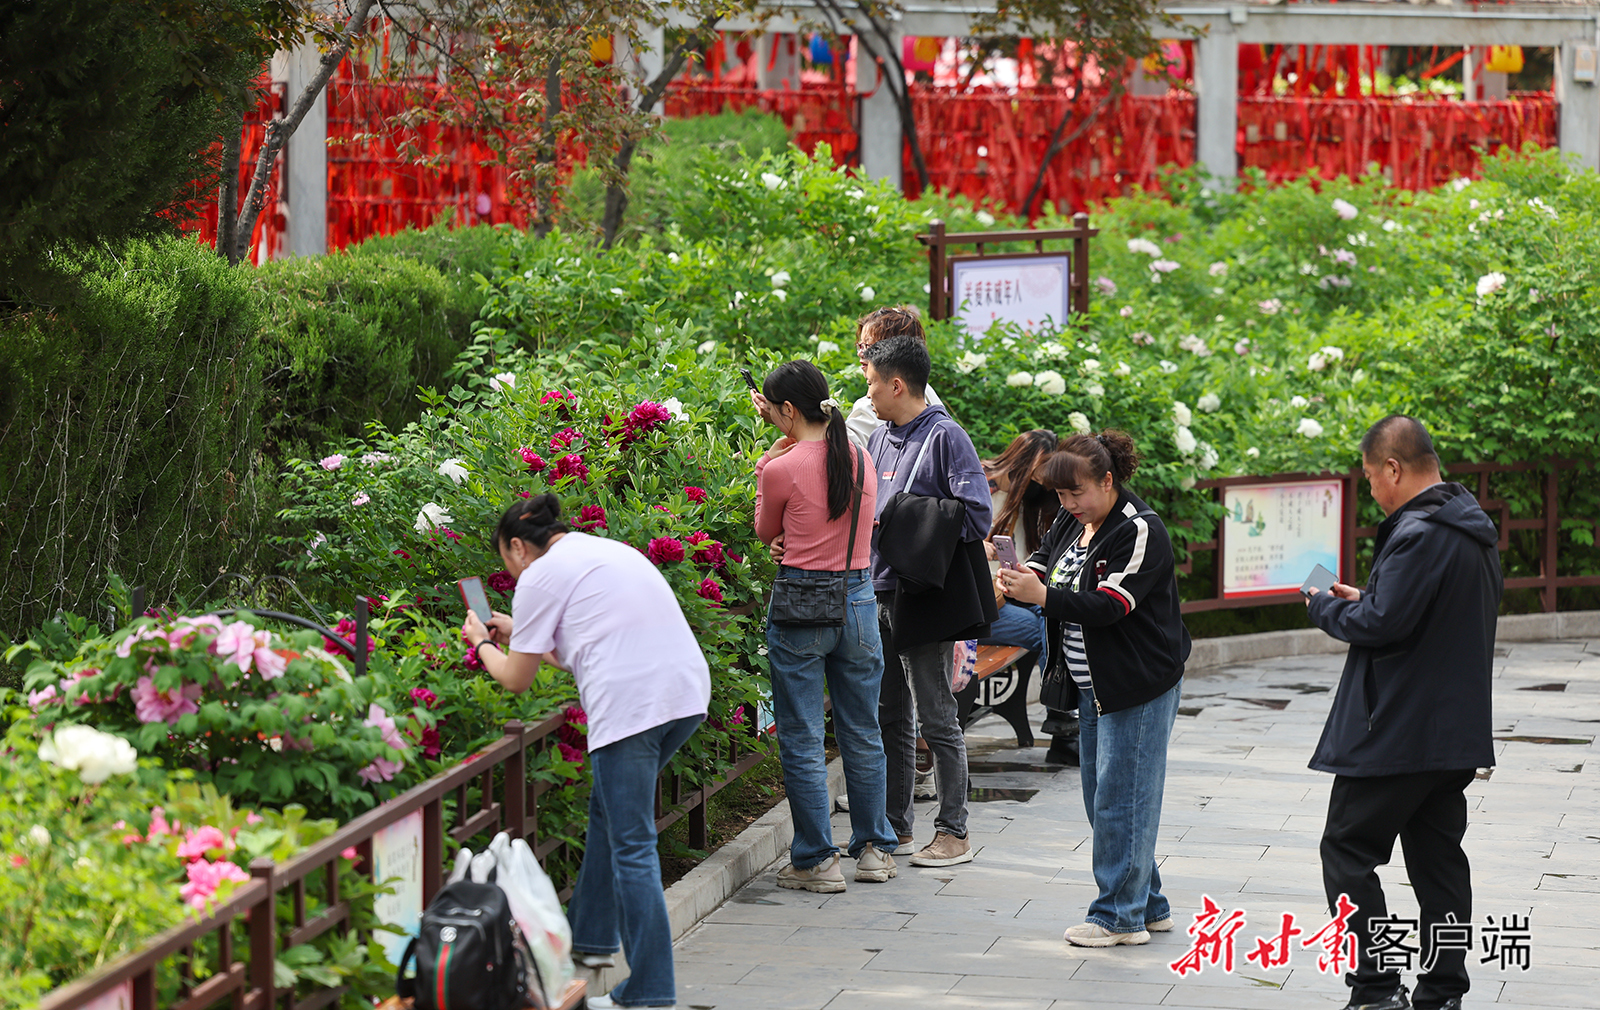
599 608
811 489
1111 602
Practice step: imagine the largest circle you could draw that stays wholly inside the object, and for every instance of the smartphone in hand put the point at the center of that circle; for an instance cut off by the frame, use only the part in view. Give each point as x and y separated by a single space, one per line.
473 596
749 380
1320 579
1005 549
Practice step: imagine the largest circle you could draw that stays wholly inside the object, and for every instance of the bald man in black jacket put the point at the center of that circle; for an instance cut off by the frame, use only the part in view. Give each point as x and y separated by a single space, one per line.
1410 723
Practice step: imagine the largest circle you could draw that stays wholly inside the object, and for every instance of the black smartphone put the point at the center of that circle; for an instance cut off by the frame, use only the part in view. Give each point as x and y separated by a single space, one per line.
1320 579
749 380
473 596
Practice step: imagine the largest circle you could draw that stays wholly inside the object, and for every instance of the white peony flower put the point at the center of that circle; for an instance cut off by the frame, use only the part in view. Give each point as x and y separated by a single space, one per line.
505 380
1270 307
673 257
618 292
867 294
1317 362
454 469
1143 245
969 362
1168 366
1181 414
1218 269
1164 266
1210 403
1095 389
1050 382
1122 369
1194 345
1253 452
1019 379
1309 428
1299 401
39 835
1489 283
707 347
1208 456
780 294
94 755
772 182
826 347
1090 365
1188 483
1080 422
431 516
1126 312
1049 349
1345 210
780 279
984 218
1333 353
1359 376
675 408
1184 439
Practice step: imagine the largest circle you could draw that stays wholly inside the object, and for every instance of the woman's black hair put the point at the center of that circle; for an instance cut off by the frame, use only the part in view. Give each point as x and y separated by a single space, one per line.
1085 459
803 385
534 519
1018 463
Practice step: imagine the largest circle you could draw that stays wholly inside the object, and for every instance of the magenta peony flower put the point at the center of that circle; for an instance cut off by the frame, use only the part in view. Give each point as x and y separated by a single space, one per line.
708 551
591 517
453 536
471 661
570 465
197 843
152 705
570 754
381 770
563 399
502 581
205 878
159 825
569 733
424 697
429 742
709 590
664 549
643 419
565 437
346 629
696 494
534 460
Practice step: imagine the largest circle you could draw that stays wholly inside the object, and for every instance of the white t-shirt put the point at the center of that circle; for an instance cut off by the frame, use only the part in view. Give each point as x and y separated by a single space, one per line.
613 621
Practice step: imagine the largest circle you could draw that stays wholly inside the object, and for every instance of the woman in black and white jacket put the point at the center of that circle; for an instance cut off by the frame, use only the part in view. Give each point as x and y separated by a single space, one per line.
1110 596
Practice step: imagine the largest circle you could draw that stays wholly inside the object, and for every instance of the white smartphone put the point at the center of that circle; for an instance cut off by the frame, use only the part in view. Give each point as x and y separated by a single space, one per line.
1006 551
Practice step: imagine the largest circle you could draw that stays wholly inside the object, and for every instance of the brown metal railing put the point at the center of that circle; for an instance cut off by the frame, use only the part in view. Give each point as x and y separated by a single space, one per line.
507 801
1475 476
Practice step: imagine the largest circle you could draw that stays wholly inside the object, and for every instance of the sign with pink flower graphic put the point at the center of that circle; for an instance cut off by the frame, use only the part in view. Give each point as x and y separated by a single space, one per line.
397 860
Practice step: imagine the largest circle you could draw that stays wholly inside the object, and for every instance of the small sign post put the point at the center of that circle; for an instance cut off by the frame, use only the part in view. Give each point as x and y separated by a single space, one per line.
1024 288
1275 533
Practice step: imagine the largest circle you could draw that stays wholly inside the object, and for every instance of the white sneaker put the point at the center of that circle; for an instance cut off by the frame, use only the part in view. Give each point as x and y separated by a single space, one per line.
584 959
874 866
824 878
924 787
605 1002
842 804
1089 934
1160 925
907 846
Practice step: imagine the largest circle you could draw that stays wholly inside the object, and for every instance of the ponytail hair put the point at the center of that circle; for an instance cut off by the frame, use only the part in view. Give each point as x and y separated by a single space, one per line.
1086 459
535 520
803 386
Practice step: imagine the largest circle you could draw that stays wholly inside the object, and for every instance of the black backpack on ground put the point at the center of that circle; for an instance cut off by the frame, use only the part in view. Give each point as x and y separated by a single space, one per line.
469 953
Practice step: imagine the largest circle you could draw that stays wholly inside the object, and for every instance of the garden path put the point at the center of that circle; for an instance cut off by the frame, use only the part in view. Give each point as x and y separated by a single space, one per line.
1241 823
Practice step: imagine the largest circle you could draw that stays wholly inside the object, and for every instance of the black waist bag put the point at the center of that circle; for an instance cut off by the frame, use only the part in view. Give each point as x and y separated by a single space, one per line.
817 601
467 953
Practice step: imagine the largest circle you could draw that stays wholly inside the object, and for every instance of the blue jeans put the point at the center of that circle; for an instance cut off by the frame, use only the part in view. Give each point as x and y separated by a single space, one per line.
849 659
1020 624
618 897
1124 768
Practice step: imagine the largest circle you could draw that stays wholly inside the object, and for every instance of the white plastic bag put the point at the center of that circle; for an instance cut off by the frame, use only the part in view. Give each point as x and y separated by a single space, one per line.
533 901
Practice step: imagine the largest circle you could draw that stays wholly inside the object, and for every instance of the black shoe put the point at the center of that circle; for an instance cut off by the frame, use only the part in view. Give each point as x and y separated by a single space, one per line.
1062 754
1453 1003
1398 1001
1059 723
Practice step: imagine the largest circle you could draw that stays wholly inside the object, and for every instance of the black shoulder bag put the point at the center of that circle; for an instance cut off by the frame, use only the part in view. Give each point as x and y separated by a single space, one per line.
818 601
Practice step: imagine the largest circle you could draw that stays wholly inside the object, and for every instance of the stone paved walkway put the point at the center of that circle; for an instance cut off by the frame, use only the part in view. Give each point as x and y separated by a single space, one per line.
1241 822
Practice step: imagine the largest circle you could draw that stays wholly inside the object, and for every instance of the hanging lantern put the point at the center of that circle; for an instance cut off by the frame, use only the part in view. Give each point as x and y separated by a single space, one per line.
1504 60
600 48
919 53
820 52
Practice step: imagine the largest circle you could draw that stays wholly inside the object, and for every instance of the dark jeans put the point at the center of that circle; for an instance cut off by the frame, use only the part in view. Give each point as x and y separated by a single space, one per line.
1427 811
916 696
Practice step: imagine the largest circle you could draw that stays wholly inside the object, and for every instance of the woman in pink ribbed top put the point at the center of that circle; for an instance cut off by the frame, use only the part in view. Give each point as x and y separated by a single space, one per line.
807 486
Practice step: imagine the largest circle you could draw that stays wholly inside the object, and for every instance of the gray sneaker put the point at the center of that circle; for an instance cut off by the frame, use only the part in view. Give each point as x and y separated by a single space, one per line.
874 866
842 804
925 787
824 878
944 850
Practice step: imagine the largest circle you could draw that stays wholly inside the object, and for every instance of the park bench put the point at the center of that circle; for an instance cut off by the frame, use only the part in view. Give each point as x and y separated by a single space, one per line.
1000 685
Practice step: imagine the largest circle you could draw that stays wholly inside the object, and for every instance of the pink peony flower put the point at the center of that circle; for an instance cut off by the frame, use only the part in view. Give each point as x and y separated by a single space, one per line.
424 697
502 581
158 823
380 720
198 842
333 462
381 770
251 817
39 699
450 534
236 644
205 878
565 437
19 860
695 494
664 549
708 551
350 853
709 590
429 742
471 661
152 705
591 517
361 499
563 400
643 419
570 465
534 460
346 629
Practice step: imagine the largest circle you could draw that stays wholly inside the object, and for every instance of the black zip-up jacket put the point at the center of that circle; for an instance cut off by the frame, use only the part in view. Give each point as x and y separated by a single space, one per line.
1415 692
1126 599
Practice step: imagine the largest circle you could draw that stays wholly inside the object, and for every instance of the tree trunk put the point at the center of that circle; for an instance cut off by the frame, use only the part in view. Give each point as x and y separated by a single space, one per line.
1058 142
617 195
280 130
544 195
228 194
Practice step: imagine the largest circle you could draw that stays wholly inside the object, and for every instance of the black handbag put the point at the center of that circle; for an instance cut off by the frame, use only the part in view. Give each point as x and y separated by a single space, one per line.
818 601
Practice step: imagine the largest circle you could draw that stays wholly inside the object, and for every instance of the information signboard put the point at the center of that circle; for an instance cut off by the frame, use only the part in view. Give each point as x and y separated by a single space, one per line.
1274 534
1030 290
397 853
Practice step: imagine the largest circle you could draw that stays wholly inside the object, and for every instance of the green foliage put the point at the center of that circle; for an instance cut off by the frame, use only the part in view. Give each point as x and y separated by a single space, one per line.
130 420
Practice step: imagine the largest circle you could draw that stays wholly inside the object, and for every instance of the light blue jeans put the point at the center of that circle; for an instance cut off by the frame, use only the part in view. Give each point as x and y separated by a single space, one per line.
849 660
1021 624
1124 769
618 897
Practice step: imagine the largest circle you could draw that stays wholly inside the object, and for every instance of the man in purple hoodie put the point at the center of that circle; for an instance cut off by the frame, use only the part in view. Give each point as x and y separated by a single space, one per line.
922 451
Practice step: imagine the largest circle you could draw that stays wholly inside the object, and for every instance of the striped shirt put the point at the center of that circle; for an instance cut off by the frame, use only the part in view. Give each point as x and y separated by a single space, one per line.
1066 575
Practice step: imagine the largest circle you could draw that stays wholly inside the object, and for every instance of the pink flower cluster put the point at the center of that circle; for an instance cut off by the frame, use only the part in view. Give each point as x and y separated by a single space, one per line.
695 494
244 646
502 581
709 590
565 437
563 399
708 551
382 769
424 697
534 460
47 695
346 629
642 420
152 704
569 733
664 549
205 878
590 517
570 465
